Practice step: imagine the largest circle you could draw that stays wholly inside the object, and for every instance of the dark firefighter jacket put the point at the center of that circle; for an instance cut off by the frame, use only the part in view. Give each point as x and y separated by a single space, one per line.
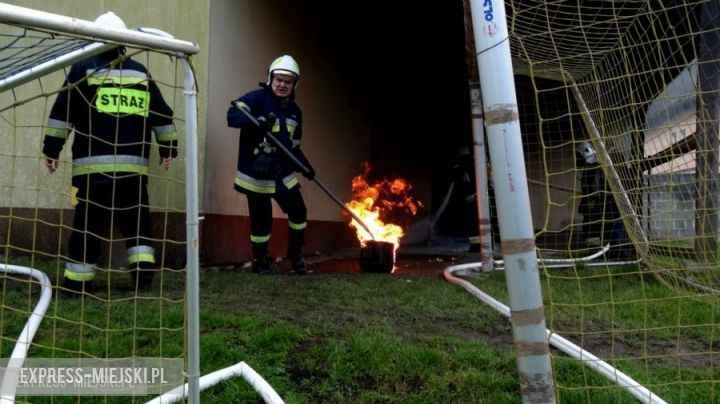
113 110
261 166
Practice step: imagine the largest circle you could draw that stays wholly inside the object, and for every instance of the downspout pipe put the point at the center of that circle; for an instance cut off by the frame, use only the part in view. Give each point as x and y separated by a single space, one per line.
482 200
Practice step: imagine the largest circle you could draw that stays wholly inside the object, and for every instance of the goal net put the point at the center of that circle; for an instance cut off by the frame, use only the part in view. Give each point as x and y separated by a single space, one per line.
117 317
619 105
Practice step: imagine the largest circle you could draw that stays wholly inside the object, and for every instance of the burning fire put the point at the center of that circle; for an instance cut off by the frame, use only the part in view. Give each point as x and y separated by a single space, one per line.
382 200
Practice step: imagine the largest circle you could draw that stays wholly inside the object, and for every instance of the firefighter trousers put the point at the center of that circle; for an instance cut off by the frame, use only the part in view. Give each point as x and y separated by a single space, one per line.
260 208
103 206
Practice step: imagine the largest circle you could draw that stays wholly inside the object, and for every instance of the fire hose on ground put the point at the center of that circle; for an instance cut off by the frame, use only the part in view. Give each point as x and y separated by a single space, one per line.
588 359
240 369
17 357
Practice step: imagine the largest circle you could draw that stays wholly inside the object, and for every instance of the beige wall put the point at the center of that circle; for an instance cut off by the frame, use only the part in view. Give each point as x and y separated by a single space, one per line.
245 36
554 206
237 41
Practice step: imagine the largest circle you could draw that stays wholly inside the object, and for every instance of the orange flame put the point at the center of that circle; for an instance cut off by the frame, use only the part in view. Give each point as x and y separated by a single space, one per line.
375 202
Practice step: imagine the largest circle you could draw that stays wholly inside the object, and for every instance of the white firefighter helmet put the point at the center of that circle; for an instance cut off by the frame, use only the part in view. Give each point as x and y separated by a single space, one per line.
110 19
586 150
286 66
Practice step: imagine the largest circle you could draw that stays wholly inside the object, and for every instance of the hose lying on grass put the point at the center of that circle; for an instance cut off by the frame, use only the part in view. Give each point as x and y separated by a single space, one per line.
240 369
626 382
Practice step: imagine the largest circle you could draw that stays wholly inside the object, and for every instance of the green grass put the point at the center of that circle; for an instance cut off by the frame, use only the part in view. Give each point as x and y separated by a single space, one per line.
377 338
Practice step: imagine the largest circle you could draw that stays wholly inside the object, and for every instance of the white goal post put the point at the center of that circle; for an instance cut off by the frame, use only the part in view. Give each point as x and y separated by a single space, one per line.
94 39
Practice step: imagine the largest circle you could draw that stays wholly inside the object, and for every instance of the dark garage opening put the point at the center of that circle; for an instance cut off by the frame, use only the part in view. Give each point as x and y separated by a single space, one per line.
406 65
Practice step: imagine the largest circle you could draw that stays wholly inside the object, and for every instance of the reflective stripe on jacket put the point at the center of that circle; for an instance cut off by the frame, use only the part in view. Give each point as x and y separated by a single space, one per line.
110 163
286 127
244 182
113 110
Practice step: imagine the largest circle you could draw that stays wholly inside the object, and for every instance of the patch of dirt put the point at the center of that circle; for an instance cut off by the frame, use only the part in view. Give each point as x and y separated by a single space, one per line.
685 352
406 267
403 266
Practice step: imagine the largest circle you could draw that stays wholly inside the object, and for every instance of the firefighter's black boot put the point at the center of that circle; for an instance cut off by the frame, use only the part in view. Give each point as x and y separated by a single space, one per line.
73 289
261 261
296 239
142 278
298 266
262 266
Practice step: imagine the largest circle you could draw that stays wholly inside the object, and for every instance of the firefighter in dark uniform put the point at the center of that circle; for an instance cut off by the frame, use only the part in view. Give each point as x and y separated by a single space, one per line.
592 202
263 171
113 106
602 223
463 173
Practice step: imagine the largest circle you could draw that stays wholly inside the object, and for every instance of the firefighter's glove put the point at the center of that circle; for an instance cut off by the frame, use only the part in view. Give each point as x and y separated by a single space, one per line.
265 123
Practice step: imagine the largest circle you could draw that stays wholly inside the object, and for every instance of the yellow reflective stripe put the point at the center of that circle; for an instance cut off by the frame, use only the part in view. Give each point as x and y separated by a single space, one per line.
73 196
57 132
121 81
113 100
81 277
141 253
259 239
261 189
297 226
142 257
116 76
251 184
109 168
474 240
291 125
79 272
275 127
165 133
58 128
166 137
110 163
263 186
290 181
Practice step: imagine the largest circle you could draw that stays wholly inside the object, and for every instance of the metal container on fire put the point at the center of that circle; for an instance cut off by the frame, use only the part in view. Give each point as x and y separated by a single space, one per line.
377 256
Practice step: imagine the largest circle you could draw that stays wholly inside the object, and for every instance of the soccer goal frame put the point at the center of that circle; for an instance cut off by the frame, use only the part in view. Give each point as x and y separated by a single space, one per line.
101 38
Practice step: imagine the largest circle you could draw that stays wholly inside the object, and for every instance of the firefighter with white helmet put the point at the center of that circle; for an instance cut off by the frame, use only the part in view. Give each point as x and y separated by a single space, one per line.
110 19
587 152
591 202
265 173
601 217
113 107
284 65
